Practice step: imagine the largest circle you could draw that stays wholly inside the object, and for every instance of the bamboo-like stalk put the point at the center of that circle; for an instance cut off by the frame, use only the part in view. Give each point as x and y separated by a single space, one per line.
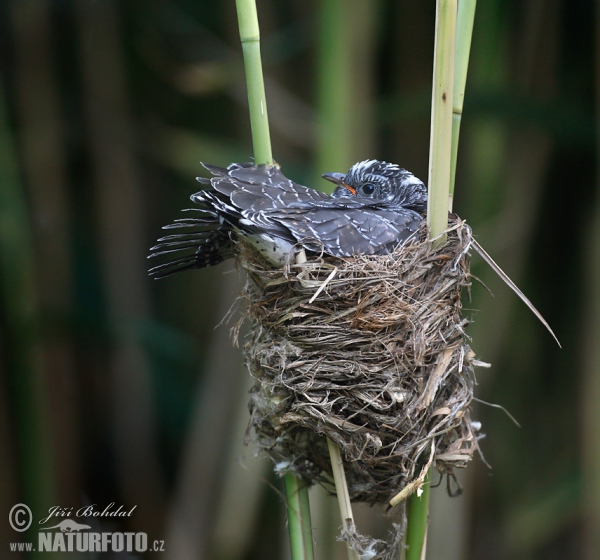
416 531
441 117
464 32
299 523
440 149
257 100
298 510
341 489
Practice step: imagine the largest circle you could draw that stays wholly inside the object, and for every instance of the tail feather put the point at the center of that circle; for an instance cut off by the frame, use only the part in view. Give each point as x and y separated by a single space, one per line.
206 240
208 245
167 248
171 267
194 236
189 222
214 169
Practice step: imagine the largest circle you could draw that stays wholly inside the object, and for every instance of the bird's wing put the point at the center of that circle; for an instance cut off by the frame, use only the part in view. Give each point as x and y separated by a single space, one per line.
351 230
247 186
249 196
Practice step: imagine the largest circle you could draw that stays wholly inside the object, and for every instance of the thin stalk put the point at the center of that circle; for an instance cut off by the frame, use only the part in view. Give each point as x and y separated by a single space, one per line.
298 510
257 100
441 117
418 511
299 524
341 489
440 149
464 32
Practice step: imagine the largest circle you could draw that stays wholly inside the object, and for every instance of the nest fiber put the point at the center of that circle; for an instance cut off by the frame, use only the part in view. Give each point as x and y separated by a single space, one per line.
369 351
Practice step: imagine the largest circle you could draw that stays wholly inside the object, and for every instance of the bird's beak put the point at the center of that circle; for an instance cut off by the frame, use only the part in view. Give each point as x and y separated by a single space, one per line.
338 179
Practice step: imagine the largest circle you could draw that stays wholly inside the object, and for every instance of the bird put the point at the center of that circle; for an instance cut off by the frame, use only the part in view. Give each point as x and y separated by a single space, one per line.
375 207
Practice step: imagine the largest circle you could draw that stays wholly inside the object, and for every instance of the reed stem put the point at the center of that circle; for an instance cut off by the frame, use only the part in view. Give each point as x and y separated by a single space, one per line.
299 523
440 145
440 149
418 513
257 100
464 32
341 489
296 489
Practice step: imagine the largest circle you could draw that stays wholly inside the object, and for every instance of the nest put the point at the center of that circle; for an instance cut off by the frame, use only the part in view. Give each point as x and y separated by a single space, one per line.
369 351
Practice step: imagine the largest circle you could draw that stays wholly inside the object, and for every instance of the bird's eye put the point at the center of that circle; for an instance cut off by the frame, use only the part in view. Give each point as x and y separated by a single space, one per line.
368 189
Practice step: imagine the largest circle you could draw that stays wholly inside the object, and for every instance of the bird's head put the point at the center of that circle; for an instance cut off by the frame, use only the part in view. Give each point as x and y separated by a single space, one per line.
381 181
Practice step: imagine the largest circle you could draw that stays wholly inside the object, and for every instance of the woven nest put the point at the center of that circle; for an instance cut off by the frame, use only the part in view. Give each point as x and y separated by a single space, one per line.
369 351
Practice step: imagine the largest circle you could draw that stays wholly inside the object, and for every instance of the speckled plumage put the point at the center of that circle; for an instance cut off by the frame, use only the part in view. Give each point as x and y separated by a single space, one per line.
375 207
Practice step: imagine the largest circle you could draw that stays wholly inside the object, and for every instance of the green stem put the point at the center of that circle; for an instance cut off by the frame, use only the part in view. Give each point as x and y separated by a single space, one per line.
418 512
441 117
464 32
257 100
440 149
301 544
296 489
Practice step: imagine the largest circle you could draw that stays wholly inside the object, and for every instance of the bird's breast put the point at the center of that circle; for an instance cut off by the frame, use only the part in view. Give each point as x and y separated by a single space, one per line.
274 249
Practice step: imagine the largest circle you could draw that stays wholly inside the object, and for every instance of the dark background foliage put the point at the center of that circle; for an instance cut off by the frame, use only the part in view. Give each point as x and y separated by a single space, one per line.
115 388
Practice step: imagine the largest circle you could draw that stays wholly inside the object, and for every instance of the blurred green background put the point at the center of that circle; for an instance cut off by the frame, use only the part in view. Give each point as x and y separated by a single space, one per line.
116 388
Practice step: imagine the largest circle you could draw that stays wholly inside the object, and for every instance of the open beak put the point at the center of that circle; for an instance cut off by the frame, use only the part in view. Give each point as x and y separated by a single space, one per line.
338 179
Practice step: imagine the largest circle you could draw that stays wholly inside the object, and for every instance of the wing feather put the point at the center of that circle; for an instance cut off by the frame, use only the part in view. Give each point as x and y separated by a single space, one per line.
262 200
